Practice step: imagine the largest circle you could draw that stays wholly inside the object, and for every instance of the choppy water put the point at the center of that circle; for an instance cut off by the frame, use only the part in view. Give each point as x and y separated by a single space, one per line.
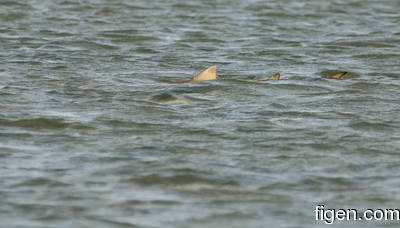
94 134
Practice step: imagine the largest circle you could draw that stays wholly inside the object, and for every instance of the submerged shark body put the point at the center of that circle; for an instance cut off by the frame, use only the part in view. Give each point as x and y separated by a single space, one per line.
211 74
170 97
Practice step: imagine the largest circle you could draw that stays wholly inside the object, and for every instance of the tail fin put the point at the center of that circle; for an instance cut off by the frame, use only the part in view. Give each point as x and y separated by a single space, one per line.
337 75
208 74
273 77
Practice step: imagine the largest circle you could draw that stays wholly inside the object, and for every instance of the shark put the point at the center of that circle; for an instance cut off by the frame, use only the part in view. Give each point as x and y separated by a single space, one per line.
170 97
337 75
211 74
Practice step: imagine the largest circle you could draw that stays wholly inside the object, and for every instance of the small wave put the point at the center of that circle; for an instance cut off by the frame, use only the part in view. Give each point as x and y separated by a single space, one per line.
36 123
372 126
134 39
183 179
117 33
13 16
43 123
93 44
5 151
12 3
40 181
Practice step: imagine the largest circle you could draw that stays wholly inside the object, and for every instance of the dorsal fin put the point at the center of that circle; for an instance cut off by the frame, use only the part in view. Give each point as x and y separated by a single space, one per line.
208 74
337 75
272 77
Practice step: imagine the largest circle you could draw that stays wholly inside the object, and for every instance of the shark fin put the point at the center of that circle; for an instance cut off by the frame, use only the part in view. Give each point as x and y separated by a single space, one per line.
337 75
273 77
208 74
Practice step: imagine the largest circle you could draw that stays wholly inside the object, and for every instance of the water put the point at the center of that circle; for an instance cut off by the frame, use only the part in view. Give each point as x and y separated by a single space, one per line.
94 134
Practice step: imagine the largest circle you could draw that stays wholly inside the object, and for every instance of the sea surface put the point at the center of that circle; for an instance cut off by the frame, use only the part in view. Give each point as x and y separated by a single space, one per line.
95 133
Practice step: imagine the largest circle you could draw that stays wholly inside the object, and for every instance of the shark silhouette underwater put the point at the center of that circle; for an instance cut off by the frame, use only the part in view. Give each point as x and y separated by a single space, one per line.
170 97
211 74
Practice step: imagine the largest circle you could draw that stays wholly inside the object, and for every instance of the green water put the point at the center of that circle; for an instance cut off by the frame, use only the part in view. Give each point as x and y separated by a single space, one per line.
94 134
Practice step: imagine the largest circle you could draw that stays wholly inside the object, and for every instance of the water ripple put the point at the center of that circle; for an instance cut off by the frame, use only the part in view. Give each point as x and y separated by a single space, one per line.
94 131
